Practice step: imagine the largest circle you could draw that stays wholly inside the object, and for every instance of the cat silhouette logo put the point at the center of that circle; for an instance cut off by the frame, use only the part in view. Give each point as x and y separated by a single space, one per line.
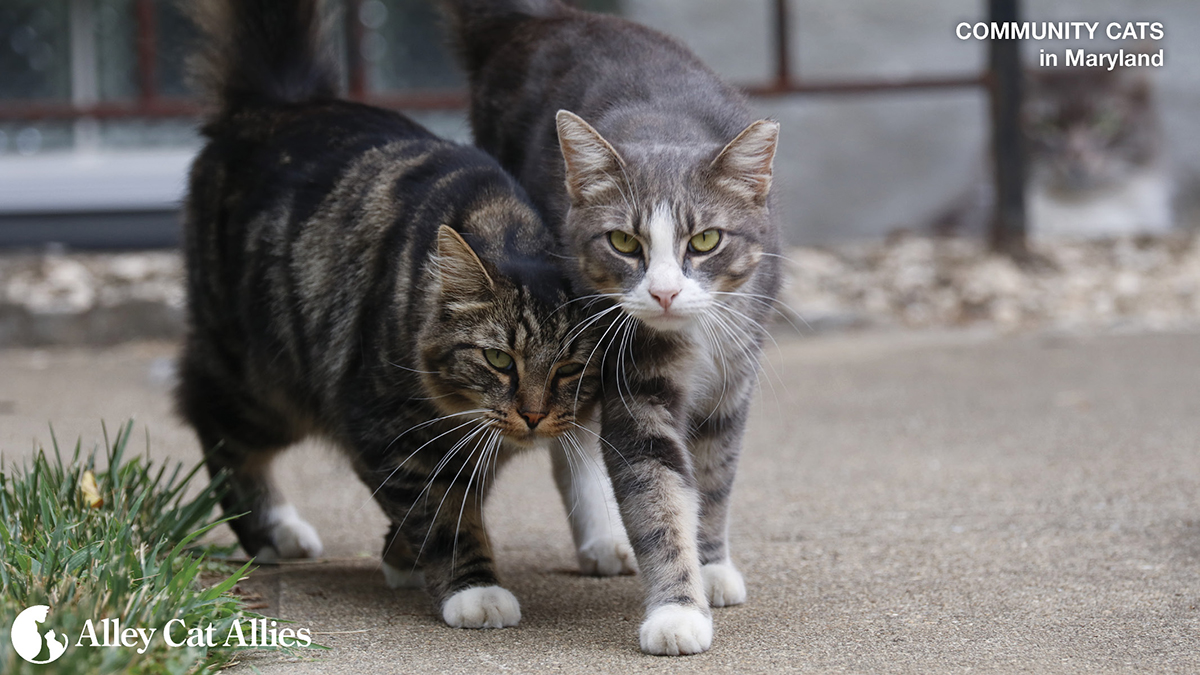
27 639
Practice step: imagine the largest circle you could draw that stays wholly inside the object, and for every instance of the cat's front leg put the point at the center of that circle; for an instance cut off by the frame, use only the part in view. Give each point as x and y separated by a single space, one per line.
716 441
444 532
652 479
601 545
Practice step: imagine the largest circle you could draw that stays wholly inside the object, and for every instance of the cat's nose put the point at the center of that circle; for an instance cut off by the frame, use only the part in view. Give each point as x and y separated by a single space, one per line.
532 418
665 297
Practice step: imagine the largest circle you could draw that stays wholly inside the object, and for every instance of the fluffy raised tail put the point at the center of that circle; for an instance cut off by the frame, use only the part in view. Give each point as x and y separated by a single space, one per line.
481 25
262 52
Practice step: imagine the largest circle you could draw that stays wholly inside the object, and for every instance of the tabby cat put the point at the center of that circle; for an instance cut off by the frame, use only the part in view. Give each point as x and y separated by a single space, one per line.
655 177
351 275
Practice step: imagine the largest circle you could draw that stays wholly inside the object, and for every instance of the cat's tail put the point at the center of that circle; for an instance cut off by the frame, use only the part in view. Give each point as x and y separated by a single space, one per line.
261 52
479 26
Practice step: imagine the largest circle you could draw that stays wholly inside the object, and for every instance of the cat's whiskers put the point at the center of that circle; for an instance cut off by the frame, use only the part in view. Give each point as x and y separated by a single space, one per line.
770 303
626 333
780 256
602 440
434 421
716 343
412 370
748 343
429 398
597 472
581 328
763 330
567 451
481 427
485 437
588 362
422 446
491 446
594 297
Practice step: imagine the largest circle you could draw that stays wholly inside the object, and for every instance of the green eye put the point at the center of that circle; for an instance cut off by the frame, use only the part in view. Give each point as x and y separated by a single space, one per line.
705 241
1106 122
498 359
569 370
624 242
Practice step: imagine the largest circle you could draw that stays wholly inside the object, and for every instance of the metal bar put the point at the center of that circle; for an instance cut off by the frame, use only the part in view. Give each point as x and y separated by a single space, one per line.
450 99
1008 232
162 107
147 49
355 62
158 107
783 51
864 86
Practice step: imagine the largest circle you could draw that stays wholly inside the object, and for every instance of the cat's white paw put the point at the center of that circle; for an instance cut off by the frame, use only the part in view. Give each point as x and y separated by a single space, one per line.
723 584
407 578
482 607
291 536
606 558
673 630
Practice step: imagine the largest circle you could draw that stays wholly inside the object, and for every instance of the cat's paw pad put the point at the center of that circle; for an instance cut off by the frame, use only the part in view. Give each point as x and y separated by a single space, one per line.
673 630
606 558
291 536
406 578
482 607
723 585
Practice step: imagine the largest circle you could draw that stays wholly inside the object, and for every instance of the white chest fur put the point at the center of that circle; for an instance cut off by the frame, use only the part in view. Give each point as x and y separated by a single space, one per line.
1140 204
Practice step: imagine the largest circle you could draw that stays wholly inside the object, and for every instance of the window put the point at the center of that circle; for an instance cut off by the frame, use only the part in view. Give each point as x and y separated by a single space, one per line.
121 66
98 127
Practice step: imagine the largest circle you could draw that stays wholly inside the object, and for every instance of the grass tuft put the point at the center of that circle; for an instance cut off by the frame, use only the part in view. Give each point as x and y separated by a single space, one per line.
113 542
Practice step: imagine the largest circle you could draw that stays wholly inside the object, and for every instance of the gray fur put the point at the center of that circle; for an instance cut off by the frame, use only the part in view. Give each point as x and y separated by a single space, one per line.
653 142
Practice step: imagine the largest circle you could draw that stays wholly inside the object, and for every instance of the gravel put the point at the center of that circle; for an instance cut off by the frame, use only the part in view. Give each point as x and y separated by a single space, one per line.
1129 283
1138 283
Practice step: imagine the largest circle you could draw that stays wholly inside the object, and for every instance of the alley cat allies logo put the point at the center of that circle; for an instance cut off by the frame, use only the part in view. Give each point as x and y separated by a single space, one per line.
30 642
27 638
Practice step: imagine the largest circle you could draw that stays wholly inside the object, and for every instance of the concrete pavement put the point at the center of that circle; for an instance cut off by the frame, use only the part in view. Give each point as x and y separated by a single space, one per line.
907 503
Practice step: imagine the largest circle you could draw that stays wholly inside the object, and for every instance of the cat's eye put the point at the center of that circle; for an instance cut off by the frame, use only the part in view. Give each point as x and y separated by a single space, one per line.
569 369
705 241
624 242
498 359
1107 122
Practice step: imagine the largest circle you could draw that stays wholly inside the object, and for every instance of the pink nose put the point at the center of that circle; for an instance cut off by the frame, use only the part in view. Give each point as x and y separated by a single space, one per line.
665 298
532 418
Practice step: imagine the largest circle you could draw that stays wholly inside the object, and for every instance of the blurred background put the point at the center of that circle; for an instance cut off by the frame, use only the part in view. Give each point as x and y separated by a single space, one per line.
975 440
885 180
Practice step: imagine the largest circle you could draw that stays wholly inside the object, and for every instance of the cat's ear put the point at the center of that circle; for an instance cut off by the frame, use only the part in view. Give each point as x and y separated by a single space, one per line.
745 166
593 166
461 271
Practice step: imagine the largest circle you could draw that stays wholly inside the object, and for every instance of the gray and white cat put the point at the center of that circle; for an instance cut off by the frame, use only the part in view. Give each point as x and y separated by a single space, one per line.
655 177
1096 163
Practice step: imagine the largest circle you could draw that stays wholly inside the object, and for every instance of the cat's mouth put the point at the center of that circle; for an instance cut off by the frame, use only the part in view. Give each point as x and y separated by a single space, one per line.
515 429
666 321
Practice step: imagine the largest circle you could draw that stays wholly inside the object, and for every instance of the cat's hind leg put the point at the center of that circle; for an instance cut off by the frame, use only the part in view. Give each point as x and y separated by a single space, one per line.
240 437
601 545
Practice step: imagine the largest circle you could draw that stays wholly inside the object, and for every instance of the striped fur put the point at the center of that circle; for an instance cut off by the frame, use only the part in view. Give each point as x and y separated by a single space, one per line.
657 150
346 271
